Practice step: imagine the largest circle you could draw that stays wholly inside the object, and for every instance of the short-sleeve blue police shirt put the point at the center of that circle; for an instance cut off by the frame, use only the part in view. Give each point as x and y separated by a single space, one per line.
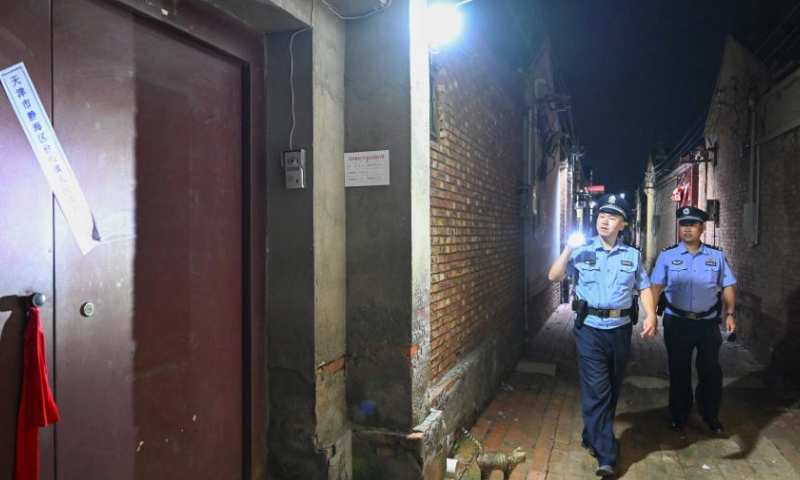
692 281
607 279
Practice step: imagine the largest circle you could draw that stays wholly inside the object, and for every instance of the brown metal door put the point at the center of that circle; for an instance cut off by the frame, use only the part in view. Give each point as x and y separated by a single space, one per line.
150 386
26 219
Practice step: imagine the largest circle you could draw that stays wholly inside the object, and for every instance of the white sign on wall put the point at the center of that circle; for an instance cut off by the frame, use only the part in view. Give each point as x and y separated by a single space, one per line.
36 124
366 169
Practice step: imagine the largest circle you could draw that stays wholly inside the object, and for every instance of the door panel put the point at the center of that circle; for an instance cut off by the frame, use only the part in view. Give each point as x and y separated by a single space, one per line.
26 220
149 386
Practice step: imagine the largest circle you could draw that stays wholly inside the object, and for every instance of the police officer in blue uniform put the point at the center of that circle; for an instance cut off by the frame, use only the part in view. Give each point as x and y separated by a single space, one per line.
698 281
609 274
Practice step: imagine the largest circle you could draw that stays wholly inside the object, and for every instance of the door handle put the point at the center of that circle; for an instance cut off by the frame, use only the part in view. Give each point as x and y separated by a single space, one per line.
37 299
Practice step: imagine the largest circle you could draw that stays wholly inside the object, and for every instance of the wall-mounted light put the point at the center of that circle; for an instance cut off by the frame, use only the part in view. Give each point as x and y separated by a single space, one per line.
443 23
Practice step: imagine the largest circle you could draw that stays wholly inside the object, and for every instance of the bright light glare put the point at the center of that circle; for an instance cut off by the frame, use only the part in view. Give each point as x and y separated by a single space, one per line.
576 239
622 195
443 23
593 204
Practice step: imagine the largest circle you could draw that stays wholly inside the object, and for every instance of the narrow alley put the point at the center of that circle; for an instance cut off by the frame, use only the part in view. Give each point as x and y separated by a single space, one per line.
314 240
539 409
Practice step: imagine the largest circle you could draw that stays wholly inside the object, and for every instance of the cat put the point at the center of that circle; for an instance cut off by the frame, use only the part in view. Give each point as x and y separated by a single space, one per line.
489 462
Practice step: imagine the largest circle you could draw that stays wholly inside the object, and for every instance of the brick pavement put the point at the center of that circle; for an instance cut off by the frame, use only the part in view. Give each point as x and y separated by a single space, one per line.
541 412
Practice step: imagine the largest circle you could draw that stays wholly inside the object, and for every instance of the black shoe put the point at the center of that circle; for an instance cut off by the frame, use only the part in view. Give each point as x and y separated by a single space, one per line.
676 426
715 426
589 449
606 471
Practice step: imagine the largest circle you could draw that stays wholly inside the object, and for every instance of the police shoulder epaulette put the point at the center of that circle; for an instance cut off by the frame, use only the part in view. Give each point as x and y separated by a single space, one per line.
714 247
670 247
637 247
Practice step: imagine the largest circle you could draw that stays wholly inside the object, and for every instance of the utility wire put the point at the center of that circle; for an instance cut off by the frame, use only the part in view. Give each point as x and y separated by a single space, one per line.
291 51
291 75
776 28
692 141
518 27
688 138
377 10
670 159
759 69
676 159
568 124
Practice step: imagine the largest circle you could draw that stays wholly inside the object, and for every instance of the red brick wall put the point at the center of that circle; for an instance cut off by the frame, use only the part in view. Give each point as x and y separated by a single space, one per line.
770 284
768 288
476 228
540 306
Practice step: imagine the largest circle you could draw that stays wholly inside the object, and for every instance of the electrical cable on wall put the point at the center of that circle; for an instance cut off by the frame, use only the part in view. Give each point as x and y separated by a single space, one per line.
291 72
291 53
377 10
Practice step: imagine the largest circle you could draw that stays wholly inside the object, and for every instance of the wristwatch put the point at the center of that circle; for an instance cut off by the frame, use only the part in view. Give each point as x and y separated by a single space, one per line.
731 314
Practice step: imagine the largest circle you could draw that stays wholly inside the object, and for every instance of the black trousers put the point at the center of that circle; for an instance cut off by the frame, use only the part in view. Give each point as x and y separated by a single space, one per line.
682 336
602 358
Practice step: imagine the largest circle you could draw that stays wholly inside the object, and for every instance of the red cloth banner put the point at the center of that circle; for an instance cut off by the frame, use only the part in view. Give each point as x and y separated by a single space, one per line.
685 193
36 407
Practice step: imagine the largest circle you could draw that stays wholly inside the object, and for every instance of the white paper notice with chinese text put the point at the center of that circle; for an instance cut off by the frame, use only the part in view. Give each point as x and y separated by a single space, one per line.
36 124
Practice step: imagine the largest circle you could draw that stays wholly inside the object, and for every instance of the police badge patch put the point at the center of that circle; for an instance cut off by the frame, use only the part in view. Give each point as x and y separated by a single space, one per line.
677 262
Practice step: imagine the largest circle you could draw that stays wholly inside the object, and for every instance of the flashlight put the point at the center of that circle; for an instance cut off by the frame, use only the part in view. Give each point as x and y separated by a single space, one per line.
576 240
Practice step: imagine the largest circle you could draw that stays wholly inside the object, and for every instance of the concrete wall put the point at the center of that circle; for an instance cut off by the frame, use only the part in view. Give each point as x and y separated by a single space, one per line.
330 315
543 231
567 212
385 284
396 435
308 436
291 264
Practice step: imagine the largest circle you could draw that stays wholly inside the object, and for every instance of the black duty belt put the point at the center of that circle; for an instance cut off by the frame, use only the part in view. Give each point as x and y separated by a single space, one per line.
695 315
609 313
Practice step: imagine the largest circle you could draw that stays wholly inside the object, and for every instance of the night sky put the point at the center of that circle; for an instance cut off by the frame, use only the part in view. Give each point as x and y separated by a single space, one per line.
639 73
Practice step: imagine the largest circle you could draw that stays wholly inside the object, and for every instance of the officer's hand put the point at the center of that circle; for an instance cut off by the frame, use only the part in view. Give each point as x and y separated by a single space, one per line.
650 326
730 324
576 240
